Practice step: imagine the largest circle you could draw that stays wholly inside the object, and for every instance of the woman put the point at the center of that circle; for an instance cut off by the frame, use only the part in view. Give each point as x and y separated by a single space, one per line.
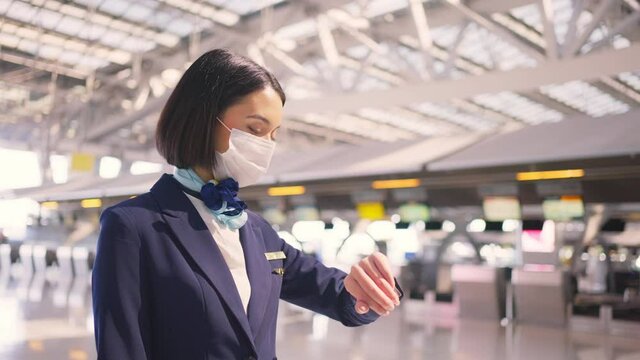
186 271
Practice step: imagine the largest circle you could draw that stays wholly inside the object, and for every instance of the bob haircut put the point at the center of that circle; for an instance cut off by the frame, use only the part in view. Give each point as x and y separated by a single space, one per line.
215 81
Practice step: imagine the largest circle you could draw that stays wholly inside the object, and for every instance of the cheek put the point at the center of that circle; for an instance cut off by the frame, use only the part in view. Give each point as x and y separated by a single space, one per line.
221 139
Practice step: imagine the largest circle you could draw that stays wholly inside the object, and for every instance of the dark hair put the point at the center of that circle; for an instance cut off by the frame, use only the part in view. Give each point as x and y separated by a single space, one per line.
214 82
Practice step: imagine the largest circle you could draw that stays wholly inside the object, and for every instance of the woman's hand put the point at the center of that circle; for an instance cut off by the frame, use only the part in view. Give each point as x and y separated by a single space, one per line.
371 283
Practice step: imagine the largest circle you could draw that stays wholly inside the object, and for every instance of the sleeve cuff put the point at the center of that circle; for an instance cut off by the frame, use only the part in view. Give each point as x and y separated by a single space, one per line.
352 317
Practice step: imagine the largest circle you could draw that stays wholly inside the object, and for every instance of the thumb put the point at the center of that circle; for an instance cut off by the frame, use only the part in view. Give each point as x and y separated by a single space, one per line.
362 307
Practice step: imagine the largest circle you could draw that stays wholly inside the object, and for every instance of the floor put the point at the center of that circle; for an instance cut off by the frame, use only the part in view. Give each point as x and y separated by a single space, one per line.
39 321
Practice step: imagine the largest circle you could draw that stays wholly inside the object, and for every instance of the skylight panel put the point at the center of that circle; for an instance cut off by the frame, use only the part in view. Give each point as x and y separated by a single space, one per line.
246 6
358 126
453 114
137 12
180 27
445 35
133 44
70 25
298 30
20 11
631 79
530 15
412 122
518 107
586 98
376 8
489 50
113 7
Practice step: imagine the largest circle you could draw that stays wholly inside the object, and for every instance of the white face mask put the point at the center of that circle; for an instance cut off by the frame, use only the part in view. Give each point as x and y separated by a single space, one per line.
246 160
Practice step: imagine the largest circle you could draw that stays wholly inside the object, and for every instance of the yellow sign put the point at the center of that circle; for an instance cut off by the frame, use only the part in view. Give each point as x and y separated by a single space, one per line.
82 162
370 210
286 190
550 175
91 203
50 205
395 184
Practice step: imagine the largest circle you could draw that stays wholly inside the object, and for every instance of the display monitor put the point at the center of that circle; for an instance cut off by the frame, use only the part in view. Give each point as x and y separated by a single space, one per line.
412 212
613 225
433 225
499 208
564 208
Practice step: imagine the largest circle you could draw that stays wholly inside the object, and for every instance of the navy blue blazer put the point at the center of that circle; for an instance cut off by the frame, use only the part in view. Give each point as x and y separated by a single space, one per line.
162 290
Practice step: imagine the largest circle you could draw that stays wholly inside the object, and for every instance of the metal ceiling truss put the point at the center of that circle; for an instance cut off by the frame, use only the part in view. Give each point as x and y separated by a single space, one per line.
445 76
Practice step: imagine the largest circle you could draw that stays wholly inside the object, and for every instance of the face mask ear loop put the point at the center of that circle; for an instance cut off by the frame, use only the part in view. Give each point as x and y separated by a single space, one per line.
223 124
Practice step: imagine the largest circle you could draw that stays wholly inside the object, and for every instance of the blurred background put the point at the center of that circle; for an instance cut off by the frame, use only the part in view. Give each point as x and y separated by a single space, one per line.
488 147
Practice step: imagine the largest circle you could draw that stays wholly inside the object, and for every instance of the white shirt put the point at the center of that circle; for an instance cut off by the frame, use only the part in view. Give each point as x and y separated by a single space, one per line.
228 242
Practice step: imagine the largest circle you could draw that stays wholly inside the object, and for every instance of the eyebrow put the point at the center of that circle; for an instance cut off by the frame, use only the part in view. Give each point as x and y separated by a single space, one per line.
260 117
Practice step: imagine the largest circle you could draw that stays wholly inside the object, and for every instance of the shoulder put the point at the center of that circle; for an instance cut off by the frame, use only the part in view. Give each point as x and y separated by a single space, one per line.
130 214
133 206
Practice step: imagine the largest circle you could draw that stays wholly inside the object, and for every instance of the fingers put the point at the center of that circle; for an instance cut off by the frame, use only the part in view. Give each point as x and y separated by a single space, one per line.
362 307
363 300
382 283
370 288
382 264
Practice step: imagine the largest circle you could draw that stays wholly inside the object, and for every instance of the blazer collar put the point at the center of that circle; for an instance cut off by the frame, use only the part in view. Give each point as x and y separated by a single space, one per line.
194 237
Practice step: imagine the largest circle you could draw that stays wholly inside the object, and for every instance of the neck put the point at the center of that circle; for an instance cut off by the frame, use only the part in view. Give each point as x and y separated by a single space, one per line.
204 173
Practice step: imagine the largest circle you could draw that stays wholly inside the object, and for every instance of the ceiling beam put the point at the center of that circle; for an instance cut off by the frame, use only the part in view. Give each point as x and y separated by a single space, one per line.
324 132
403 24
628 22
43 65
121 120
574 47
496 29
587 67
547 12
551 103
221 37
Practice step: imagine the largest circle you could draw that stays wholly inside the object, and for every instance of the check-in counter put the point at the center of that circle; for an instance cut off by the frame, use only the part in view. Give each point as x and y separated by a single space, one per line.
614 313
5 258
26 258
625 317
480 291
81 261
540 296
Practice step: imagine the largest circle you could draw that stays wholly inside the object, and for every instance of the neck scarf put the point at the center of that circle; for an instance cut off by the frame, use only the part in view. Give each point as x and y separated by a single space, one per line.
220 197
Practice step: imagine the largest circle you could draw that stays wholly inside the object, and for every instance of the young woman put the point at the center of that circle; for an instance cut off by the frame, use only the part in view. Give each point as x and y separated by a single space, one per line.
186 271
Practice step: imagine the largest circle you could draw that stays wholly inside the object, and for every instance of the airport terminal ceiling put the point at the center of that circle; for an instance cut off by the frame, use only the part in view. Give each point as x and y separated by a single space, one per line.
92 76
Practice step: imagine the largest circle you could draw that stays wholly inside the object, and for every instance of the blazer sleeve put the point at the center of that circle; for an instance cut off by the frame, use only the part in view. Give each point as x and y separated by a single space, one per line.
310 284
121 318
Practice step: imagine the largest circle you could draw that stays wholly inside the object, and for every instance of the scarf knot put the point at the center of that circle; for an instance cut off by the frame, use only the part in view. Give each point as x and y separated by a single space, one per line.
223 196
220 197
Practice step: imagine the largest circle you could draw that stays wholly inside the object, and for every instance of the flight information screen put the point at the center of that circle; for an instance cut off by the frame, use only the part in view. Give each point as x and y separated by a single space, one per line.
500 208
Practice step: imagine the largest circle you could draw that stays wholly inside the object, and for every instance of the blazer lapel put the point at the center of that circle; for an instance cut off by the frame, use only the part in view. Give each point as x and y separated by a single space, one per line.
192 233
259 272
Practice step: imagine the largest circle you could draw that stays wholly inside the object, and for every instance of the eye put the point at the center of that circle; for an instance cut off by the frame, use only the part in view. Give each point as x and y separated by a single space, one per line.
255 130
